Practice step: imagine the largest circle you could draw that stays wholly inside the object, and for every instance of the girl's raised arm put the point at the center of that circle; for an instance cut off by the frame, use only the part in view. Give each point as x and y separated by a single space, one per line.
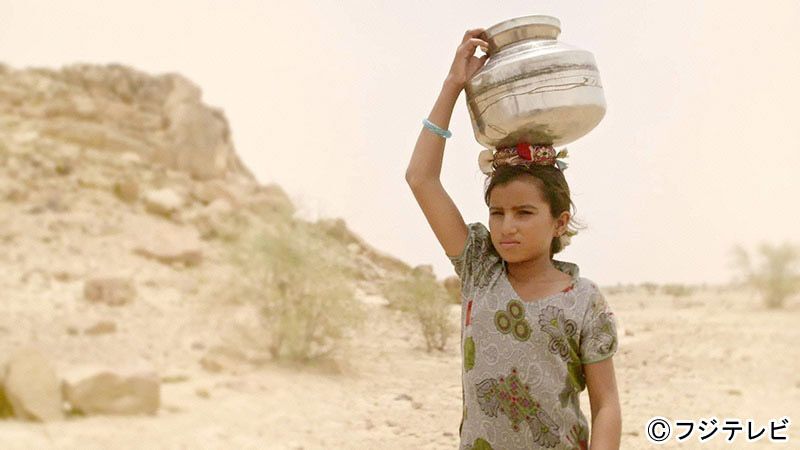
425 167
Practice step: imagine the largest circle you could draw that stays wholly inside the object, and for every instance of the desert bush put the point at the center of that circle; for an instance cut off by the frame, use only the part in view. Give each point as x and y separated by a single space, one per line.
420 294
617 289
453 287
677 290
776 276
650 288
306 302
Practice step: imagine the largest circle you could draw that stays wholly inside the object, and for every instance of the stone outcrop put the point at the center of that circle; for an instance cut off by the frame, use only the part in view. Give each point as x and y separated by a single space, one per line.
116 108
123 201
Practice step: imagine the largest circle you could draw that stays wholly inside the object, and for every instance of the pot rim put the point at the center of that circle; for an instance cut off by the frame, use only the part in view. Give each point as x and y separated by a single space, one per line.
518 22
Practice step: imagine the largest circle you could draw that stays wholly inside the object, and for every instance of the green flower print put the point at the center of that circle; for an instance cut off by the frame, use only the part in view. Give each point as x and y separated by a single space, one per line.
573 384
512 320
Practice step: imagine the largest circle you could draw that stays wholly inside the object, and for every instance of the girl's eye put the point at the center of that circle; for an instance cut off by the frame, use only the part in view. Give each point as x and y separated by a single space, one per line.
496 213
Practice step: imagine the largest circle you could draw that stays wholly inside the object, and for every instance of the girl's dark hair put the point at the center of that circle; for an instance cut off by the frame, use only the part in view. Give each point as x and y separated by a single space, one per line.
552 184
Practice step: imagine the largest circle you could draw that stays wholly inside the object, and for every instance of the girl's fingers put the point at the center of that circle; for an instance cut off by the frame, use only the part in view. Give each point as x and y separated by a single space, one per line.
470 45
470 33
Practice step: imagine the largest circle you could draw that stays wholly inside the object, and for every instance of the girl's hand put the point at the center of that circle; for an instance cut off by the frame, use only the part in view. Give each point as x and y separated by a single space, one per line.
466 64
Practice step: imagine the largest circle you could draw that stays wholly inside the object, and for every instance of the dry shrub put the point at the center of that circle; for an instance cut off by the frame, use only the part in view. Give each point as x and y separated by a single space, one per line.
429 302
307 302
776 277
453 286
677 290
650 287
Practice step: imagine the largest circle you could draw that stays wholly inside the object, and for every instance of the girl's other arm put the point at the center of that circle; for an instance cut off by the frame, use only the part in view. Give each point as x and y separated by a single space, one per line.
604 400
425 166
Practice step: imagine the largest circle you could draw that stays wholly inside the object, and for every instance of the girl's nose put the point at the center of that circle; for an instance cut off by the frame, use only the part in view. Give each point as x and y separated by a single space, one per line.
509 227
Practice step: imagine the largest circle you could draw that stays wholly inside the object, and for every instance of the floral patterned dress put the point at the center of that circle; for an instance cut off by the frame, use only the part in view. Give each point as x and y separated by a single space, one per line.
523 360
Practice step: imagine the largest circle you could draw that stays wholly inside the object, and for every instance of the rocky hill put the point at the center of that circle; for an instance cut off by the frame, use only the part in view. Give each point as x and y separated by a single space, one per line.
117 191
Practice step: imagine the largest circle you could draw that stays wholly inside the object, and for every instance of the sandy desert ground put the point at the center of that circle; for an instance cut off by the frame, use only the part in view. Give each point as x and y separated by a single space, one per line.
707 354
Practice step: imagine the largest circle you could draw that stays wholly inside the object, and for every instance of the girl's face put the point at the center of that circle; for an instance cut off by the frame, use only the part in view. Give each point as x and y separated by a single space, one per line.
520 222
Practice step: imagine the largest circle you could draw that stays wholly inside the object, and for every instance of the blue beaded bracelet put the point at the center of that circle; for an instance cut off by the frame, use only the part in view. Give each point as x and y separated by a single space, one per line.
443 133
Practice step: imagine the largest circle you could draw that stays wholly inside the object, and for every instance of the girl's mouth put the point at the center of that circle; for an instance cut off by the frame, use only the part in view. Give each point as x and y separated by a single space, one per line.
509 244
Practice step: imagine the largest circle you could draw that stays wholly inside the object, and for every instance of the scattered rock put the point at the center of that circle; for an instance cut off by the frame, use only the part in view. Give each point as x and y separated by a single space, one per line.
162 202
93 180
180 378
186 256
403 397
130 158
202 393
270 198
13 191
101 327
416 405
220 359
212 221
32 388
127 190
64 167
212 190
5 406
210 364
113 291
167 243
62 275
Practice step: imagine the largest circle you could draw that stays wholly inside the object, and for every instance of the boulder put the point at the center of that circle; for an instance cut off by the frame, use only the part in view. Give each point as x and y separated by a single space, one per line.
96 390
32 388
163 241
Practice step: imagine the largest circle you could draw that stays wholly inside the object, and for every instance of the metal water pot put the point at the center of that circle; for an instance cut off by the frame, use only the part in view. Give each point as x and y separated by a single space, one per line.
533 88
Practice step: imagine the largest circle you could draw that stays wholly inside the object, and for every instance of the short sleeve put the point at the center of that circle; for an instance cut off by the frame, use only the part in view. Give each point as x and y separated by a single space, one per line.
599 331
478 260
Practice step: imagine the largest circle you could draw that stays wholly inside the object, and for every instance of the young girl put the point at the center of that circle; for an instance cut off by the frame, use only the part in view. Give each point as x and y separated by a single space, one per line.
533 332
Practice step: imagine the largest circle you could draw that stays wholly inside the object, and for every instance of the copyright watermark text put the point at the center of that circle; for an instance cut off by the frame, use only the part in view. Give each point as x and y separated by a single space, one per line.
659 429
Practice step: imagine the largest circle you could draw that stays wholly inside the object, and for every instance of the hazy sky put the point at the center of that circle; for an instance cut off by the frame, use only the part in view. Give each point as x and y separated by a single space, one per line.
698 151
